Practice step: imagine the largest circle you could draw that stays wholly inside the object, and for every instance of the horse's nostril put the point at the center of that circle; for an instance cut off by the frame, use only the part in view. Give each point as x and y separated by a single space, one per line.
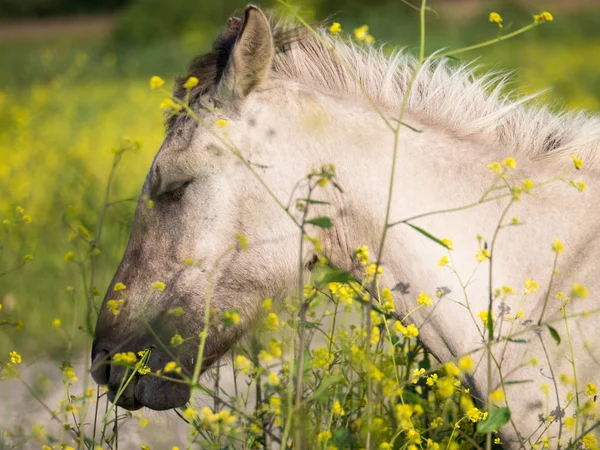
101 367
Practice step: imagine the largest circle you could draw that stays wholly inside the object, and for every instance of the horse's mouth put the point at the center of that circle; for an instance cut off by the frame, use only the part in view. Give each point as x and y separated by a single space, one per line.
150 392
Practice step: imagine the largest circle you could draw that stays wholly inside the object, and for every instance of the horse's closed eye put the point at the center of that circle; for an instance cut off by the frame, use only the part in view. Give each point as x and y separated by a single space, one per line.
177 192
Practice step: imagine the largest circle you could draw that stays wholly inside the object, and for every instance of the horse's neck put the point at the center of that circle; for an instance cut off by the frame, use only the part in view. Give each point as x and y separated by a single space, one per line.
437 171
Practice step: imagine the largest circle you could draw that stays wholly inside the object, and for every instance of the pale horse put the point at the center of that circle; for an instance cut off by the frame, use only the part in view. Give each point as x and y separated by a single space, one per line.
292 104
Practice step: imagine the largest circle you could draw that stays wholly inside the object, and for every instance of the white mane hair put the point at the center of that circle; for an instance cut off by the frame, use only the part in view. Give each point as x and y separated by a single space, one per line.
443 94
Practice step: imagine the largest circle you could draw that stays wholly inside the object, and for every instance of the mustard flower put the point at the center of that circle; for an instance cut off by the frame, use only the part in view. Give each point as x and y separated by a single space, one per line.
544 16
167 103
445 387
496 396
483 315
443 261
324 436
558 247
495 18
431 379
590 441
231 317
171 366
417 373
114 306
531 286
158 286
337 409
578 163
509 163
272 322
176 340
590 389
221 123
370 271
125 358
56 323
482 255
176 312
424 299
475 415
362 254
361 32
119 287
335 28
15 358
69 256
496 167
579 290
273 379
156 82
243 364
190 83
448 243
466 364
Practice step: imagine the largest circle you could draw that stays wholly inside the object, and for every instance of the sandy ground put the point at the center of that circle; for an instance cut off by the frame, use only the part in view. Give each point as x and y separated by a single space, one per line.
19 408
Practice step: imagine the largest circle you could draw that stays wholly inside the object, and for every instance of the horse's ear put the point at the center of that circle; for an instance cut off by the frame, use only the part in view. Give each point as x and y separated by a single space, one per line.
251 57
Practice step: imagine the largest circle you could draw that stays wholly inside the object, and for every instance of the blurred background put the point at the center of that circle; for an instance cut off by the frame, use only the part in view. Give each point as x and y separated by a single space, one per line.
74 86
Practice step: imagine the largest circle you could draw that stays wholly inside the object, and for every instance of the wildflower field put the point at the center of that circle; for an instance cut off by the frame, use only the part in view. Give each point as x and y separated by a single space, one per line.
79 127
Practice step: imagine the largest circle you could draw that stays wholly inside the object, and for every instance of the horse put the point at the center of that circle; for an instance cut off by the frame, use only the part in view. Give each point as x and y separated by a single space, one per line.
291 100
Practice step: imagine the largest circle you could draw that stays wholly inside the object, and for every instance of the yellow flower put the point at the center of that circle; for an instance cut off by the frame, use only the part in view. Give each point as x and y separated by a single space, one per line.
167 103
509 163
156 82
125 358
335 28
243 364
544 16
475 415
170 367
417 373
579 290
423 299
443 261
361 32
431 379
483 315
496 167
176 340
273 379
370 271
221 123
158 286
578 163
119 287
15 358
496 396
337 409
579 185
56 323
190 83
362 254
558 247
482 255
590 442
272 322
495 18
69 256
466 364
590 389
448 243
114 306
531 286
324 436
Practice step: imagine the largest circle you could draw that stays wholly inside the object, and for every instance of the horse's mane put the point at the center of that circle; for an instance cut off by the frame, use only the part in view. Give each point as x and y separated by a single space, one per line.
443 94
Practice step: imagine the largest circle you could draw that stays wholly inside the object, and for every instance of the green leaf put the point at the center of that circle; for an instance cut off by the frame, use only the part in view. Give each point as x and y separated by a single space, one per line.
342 437
338 187
307 324
335 276
518 382
328 382
518 341
554 334
313 202
323 222
495 420
427 234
